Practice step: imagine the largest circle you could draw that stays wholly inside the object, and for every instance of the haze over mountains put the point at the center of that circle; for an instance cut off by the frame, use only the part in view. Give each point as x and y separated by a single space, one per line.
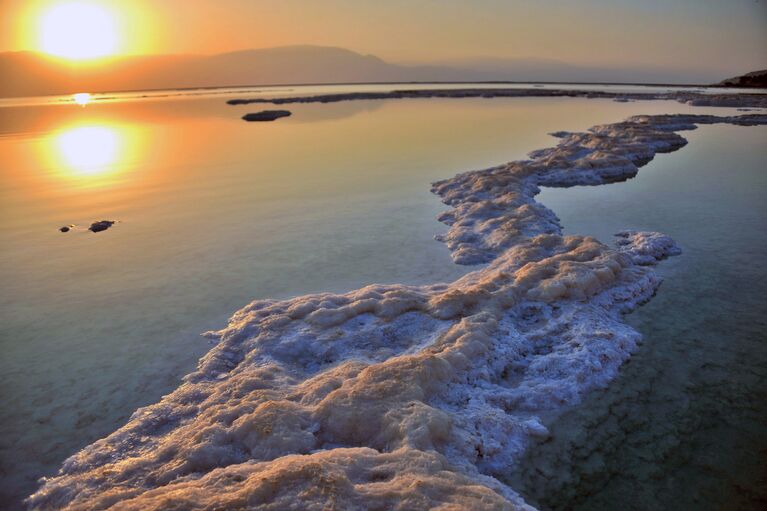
32 74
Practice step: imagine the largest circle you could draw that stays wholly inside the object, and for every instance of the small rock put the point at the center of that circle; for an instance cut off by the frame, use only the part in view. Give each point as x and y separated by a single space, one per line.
66 228
266 115
101 225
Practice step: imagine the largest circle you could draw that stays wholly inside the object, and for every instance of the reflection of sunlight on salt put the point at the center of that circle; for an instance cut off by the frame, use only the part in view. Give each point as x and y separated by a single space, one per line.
88 150
81 98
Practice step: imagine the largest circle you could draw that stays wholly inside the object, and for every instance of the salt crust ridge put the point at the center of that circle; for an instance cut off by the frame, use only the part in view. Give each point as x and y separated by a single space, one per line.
403 397
754 100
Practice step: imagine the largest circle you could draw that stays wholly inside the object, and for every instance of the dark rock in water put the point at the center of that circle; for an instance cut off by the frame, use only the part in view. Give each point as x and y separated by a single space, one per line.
66 228
101 225
266 115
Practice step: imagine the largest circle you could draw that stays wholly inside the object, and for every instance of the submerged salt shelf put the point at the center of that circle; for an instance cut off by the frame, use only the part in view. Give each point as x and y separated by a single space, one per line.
350 398
683 424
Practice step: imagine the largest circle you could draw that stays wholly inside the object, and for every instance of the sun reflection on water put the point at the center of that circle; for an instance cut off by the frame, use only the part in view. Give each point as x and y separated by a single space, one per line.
82 98
88 150
91 155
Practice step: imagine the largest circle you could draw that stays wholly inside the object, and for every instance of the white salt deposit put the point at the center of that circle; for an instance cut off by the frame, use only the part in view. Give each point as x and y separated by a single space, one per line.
403 397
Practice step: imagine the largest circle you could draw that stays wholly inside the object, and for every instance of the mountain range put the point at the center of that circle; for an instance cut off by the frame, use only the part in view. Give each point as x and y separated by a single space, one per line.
32 74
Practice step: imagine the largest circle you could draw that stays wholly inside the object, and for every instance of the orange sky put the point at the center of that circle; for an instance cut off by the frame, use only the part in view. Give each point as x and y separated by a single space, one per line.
698 34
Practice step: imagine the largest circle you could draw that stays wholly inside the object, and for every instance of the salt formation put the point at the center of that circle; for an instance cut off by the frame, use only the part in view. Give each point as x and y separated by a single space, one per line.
403 397
684 96
645 247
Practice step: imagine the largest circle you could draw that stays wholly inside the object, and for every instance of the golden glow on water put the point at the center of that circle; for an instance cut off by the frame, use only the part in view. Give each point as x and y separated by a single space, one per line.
91 155
88 150
78 31
82 98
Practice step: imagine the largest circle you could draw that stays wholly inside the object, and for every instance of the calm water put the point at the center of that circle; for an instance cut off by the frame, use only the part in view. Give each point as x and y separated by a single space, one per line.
305 90
685 424
215 212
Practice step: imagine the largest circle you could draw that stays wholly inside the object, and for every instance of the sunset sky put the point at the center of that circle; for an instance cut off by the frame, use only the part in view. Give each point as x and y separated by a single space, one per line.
689 34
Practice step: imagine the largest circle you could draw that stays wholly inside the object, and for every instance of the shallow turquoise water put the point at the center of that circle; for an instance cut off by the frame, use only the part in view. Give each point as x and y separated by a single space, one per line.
684 426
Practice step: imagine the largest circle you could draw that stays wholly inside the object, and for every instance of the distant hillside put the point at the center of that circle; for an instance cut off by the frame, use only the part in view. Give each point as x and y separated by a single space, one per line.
757 79
33 74
550 70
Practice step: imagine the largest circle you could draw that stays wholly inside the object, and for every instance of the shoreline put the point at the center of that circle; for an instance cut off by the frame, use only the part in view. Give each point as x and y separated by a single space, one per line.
323 406
750 100
336 84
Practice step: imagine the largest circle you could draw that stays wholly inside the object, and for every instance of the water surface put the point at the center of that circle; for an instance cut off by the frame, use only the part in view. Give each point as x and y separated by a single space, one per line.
684 426
213 212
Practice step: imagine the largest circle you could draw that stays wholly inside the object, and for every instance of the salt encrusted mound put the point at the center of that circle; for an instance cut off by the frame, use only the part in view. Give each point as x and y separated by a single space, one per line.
401 397
646 248
494 209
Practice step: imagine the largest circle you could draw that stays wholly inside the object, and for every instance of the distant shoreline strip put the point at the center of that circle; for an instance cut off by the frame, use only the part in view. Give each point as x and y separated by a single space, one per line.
752 100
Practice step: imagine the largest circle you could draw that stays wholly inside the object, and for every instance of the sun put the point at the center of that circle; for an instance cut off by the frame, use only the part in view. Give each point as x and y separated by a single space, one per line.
78 31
